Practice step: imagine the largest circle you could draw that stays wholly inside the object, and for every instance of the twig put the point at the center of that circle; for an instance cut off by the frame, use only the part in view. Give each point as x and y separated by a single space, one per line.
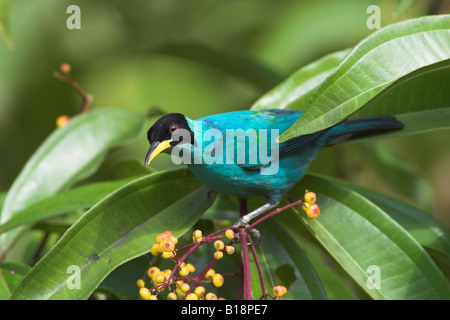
86 98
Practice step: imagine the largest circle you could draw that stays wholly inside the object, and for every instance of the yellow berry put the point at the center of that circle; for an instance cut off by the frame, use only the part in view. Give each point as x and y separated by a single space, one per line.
62 121
305 206
217 280
145 293
167 254
219 245
218 255
183 272
152 297
310 197
229 249
152 272
210 273
279 291
174 240
229 234
140 283
210 296
156 249
159 278
167 245
185 287
313 211
197 235
190 267
191 296
171 296
200 291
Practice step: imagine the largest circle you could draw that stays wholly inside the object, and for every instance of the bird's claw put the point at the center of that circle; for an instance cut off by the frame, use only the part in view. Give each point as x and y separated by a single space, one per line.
242 223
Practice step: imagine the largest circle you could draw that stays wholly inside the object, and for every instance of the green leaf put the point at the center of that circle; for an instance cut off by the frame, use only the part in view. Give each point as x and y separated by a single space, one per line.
298 88
362 238
11 273
423 89
399 174
4 24
69 154
378 61
420 225
119 228
75 199
284 263
415 123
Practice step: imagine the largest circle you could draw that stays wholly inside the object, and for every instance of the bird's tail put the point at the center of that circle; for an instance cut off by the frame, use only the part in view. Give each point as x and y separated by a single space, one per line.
352 128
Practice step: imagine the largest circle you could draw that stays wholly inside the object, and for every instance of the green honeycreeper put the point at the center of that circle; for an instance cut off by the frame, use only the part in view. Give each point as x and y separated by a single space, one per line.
236 153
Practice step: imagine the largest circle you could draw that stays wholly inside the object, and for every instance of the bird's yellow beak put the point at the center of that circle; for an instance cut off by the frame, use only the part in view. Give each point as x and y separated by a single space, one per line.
156 149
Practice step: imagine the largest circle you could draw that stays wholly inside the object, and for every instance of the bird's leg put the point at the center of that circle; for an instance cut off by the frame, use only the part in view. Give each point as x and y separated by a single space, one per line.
244 220
243 209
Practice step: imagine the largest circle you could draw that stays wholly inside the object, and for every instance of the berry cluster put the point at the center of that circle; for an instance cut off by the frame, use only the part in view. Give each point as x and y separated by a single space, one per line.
182 282
312 209
179 282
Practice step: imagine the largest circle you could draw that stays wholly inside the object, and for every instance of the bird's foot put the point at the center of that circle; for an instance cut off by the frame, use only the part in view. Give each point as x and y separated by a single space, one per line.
243 223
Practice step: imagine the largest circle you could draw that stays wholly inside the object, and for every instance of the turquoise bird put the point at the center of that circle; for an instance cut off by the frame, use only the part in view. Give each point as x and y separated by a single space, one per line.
237 153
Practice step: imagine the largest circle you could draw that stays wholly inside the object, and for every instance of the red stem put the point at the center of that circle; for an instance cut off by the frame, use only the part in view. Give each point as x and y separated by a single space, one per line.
274 212
247 281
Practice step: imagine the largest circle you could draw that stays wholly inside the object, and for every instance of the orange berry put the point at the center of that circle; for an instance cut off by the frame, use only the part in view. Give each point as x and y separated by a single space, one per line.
62 121
217 280
279 291
65 68
164 235
313 211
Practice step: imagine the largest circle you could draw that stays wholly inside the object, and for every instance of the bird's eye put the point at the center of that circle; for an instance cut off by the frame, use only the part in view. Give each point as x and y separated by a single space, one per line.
173 128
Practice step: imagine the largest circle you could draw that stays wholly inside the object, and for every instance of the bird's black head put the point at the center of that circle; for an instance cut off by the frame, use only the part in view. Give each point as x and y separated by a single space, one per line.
167 132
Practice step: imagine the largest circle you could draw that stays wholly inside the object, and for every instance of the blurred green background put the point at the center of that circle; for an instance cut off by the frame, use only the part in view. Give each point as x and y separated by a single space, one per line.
198 57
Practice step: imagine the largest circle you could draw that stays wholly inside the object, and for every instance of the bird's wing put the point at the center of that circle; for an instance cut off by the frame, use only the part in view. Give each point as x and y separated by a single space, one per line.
255 124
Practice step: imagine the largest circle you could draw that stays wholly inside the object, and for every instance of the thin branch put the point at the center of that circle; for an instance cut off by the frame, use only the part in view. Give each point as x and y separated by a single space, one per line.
86 98
246 266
